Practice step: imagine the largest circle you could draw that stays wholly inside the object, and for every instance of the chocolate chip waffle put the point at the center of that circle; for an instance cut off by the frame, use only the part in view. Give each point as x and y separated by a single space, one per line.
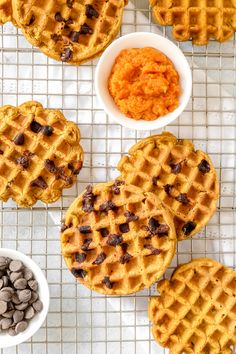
198 20
183 179
196 309
40 153
71 31
5 11
116 240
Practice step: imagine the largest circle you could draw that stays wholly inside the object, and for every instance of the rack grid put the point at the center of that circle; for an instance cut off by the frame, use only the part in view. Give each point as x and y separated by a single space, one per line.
80 321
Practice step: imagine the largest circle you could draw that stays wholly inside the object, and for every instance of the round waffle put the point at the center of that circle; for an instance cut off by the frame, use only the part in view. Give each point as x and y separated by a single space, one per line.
69 30
198 20
183 179
196 309
40 153
116 240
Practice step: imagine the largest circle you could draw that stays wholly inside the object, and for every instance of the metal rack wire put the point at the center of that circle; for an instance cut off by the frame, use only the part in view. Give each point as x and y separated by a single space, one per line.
80 321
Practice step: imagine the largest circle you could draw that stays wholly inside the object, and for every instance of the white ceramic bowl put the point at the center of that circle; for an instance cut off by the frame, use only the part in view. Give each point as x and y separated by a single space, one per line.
140 40
5 339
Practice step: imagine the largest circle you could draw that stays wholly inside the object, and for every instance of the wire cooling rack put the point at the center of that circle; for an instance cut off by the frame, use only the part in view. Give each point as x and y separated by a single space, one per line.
80 321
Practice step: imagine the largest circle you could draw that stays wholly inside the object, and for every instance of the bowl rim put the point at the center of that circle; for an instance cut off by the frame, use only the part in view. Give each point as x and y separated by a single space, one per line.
44 296
113 111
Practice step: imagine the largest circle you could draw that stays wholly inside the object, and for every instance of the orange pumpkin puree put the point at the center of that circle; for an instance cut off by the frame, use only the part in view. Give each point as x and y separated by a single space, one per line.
144 83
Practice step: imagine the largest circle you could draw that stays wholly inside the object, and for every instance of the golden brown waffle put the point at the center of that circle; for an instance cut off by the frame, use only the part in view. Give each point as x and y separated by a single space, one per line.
116 240
72 31
5 11
198 20
196 310
183 179
40 153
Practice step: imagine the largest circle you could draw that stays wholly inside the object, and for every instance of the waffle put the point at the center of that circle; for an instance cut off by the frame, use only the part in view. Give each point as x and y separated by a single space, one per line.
116 240
196 309
183 179
198 20
5 11
71 31
40 153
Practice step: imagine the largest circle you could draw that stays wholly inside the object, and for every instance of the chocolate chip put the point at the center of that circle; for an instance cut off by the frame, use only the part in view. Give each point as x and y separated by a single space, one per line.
56 37
85 246
85 229
100 258
70 3
108 205
39 182
115 188
68 23
90 11
15 266
31 21
125 258
38 305
154 180
35 126
204 166
124 247
3 307
75 166
66 55
64 227
58 17
175 168
157 229
153 225
88 199
50 166
23 161
85 29
104 232
80 257
79 273
1 152
154 251
47 130
106 281
19 139
114 240
162 230
189 227
168 189
130 216
124 228
182 198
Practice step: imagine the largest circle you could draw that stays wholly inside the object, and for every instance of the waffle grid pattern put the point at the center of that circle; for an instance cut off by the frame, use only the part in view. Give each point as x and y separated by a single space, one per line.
198 20
44 25
196 309
61 147
148 166
144 268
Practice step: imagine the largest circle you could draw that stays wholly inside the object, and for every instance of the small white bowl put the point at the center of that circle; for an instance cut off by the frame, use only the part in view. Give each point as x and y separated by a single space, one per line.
5 339
140 40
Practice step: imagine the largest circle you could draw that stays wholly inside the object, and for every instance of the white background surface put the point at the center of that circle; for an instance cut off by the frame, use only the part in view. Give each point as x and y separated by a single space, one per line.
80 321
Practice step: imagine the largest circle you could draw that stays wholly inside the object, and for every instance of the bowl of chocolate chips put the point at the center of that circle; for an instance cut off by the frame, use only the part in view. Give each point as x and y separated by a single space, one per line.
24 297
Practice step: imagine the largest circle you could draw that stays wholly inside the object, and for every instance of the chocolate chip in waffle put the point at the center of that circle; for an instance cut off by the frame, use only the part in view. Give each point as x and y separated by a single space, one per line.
183 179
196 309
198 20
40 153
116 240
72 31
